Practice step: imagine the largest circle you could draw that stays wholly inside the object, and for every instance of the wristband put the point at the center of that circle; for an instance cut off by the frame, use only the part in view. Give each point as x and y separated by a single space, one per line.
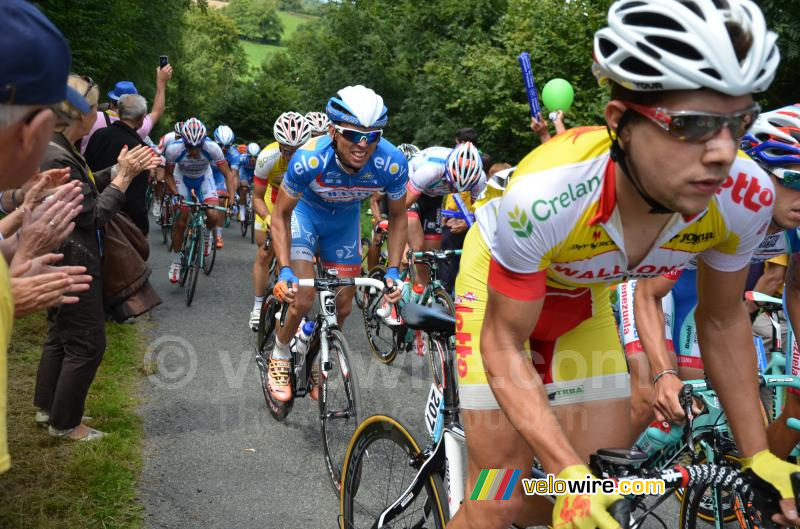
665 372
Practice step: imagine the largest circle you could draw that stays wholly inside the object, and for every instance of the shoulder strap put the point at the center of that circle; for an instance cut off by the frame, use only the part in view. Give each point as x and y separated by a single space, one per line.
107 118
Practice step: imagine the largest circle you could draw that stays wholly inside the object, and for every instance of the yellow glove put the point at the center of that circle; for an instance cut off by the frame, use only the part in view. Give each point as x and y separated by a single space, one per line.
773 470
583 511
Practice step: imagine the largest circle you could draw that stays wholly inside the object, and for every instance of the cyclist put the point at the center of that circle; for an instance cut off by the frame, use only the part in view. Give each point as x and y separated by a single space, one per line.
320 200
593 207
188 170
318 122
434 173
244 180
224 136
774 143
170 137
291 130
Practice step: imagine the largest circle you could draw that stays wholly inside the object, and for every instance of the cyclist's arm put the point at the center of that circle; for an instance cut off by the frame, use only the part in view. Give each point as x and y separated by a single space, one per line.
259 194
411 197
398 232
228 173
516 384
169 178
374 206
729 357
649 316
769 282
281 222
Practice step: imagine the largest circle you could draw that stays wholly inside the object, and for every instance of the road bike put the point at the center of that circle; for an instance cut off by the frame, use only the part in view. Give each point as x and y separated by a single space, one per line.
339 395
195 243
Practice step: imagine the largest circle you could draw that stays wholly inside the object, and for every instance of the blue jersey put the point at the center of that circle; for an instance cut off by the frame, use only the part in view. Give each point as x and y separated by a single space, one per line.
247 166
233 157
314 173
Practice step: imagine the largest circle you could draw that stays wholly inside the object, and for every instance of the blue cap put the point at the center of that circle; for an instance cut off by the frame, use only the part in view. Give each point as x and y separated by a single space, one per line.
122 88
36 59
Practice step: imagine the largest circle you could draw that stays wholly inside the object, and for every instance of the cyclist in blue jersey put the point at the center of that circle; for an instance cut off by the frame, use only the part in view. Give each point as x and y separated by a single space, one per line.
245 175
773 142
224 137
317 211
188 170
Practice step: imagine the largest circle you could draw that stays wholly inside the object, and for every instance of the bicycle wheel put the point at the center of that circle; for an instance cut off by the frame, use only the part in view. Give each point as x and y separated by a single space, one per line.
187 253
381 462
339 406
440 300
208 262
381 337
166 222
193 271
243 224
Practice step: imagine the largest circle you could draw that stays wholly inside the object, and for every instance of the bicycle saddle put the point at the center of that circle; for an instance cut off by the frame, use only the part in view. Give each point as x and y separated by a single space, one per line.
426 319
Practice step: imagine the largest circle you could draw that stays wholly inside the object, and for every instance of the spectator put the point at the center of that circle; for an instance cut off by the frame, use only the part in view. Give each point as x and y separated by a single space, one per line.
105 118
467 134
33 74
76 337
105 145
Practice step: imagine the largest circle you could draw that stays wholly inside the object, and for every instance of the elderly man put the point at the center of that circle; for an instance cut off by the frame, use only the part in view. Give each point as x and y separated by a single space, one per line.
106 118
104 148
33 75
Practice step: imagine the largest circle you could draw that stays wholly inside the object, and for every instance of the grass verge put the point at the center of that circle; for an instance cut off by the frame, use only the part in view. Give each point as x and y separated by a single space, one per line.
59 484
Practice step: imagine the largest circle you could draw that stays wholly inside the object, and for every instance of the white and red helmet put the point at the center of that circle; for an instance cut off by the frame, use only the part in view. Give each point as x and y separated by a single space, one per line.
318 122
193 132
463 167
291 129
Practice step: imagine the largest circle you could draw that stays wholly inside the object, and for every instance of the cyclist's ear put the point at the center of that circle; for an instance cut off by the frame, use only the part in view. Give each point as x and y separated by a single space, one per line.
613 113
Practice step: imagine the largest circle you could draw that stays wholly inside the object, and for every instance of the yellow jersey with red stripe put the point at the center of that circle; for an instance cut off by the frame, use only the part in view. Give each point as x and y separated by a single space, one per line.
558 215
270 168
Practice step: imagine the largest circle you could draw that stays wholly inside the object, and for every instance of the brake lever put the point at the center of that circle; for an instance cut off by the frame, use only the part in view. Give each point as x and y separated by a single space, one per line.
685 399
284 309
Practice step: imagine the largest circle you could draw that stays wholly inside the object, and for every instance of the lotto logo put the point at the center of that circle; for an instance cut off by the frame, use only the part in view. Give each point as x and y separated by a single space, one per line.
745 190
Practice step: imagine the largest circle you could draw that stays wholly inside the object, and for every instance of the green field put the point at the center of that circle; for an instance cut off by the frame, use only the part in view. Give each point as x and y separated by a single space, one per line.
257 52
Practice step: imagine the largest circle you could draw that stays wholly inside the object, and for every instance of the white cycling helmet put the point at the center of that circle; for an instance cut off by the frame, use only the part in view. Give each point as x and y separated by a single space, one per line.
318 121
179 127
408 150
224 135
253 149
357 105
193 132
657 45
291 129
463 166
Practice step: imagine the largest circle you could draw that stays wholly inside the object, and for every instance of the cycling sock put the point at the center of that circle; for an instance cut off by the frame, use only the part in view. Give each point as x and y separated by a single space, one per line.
258 302
281 350
241 212
219 231
176 258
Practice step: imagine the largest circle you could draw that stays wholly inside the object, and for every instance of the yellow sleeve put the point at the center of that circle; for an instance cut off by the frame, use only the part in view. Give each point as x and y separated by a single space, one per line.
782 260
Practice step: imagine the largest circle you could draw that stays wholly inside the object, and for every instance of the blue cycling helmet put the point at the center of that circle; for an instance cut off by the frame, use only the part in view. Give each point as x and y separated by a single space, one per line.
224 135
357 105
774 138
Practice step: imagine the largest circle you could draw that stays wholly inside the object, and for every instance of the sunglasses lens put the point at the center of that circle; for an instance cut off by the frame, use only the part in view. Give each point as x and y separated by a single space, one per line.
356 136
790 179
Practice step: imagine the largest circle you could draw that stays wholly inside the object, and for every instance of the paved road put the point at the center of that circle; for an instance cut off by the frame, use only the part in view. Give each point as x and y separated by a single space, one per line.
213 456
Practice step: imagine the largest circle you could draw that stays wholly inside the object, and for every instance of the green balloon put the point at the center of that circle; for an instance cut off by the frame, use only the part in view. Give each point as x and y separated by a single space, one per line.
557 95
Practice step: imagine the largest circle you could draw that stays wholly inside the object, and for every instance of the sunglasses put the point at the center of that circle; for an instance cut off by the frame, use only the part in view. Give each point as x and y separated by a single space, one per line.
91 82
696 126
788 178
357 136
286 151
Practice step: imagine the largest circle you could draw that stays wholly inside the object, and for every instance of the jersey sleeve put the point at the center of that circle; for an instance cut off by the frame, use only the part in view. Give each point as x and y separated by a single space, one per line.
748 215
214 150
520 248
171 154
264 164
303 168
233 159
397 179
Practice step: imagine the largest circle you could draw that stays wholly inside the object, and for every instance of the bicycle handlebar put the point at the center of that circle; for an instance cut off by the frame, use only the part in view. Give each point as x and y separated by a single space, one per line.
325 284
201 205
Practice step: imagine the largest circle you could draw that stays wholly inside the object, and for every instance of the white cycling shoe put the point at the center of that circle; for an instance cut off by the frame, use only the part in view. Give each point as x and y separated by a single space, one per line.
255 318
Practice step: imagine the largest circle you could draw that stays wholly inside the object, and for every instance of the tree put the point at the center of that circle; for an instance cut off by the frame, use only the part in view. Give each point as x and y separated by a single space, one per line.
256 19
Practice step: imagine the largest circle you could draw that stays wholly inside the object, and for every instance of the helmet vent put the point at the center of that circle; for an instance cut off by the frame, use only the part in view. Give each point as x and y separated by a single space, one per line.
711 73
607 48
634 65
694 7
675 47
653 20
648 50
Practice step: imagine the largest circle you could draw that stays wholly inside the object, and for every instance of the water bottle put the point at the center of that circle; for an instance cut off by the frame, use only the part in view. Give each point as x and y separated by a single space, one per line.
416 293
657 436
302 337
406 289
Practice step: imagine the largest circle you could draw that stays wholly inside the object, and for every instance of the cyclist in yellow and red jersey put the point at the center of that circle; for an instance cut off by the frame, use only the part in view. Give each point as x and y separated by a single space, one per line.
291 130
541 369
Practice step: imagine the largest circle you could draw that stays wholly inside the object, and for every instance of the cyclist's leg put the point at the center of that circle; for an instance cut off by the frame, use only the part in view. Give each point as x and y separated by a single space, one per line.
185 186
222 195
340 249
429 218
